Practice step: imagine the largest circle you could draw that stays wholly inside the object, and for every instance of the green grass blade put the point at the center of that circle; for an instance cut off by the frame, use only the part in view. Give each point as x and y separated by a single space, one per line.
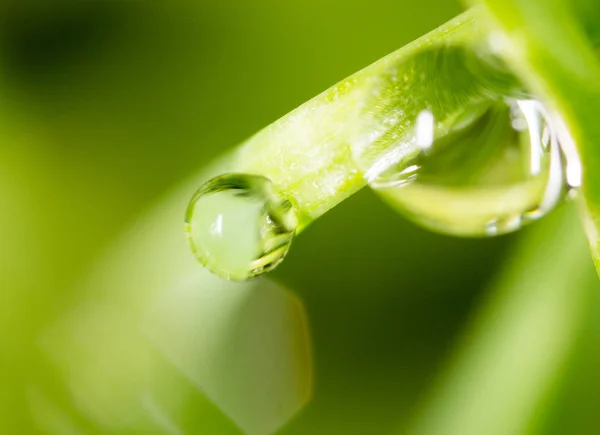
307 153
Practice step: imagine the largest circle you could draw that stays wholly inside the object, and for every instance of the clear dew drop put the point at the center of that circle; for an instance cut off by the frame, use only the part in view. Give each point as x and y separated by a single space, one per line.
450 139
239 227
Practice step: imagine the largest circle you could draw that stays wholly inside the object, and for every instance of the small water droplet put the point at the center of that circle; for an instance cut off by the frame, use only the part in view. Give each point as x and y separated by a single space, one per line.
473 154
239 227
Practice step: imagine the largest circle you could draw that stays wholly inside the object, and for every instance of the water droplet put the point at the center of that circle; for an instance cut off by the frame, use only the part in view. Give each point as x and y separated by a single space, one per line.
470 153
239 227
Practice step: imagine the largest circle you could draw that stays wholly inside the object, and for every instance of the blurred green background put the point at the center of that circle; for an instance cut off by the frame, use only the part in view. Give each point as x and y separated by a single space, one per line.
109 110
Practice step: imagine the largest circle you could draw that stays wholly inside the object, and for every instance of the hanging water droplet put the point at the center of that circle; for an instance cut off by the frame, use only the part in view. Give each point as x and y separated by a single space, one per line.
449 137
239 227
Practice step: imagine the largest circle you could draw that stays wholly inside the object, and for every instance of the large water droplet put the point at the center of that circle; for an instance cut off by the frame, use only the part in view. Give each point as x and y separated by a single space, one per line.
449 138
239 227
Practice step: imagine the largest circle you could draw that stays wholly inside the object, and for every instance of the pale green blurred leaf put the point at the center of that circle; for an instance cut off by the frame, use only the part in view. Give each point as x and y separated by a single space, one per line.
520 341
